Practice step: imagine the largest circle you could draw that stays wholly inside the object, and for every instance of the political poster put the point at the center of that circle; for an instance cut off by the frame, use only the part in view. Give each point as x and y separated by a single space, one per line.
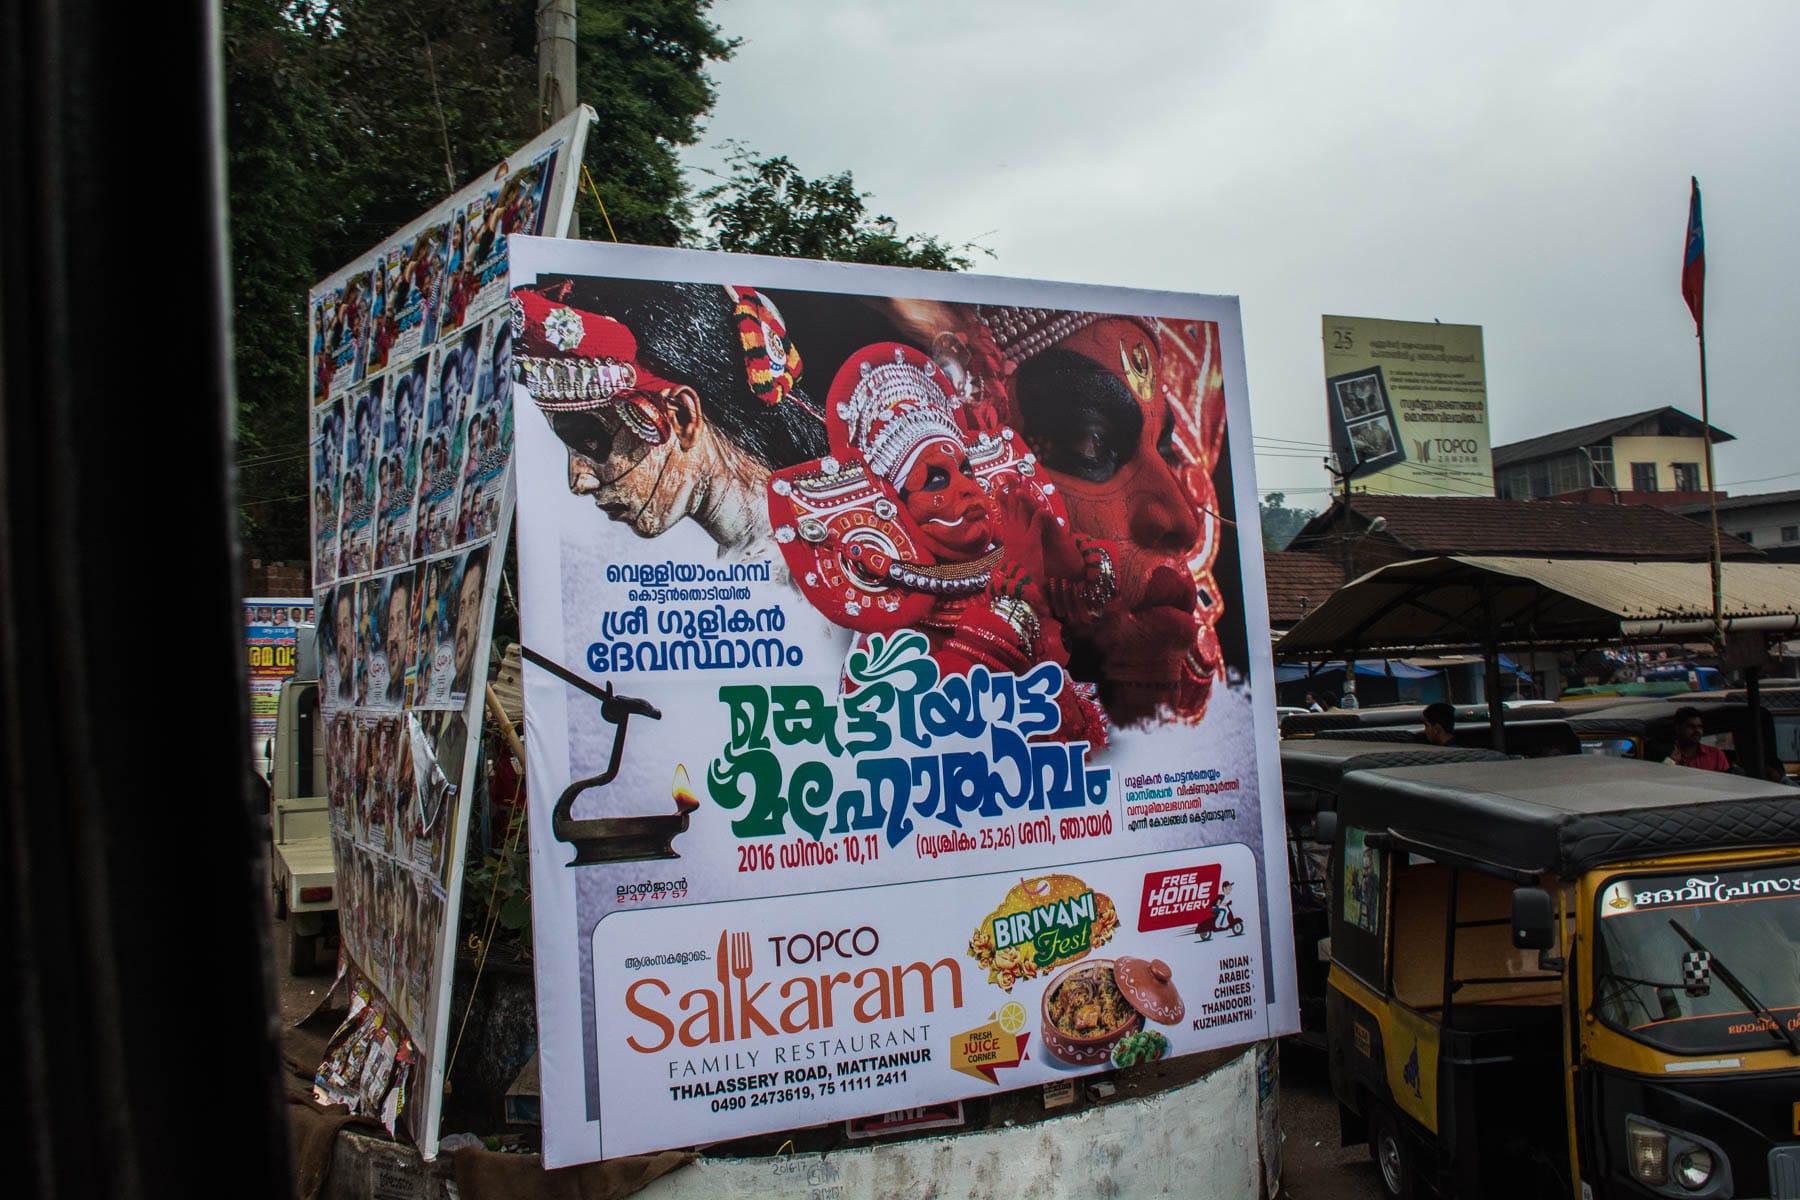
271 649
1406 402
898 693
403 350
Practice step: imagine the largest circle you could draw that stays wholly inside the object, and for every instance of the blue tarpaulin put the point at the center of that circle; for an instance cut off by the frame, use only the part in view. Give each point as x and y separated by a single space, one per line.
1393 668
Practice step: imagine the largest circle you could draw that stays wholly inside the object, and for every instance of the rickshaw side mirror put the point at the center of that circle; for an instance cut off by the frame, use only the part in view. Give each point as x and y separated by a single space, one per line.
1533 919
1324 827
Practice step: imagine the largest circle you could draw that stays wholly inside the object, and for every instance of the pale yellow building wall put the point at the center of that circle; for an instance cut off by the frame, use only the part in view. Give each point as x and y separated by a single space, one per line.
1665 452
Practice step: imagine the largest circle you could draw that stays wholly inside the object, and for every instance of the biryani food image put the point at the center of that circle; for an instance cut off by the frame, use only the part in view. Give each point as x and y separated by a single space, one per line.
1096 1010
1041 924
1088 1003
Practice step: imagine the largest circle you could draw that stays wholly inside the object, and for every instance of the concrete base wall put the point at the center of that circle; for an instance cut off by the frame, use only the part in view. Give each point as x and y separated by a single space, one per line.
1196 1142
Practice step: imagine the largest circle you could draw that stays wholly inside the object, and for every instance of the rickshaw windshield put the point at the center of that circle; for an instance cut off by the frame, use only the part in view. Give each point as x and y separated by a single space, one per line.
1653 984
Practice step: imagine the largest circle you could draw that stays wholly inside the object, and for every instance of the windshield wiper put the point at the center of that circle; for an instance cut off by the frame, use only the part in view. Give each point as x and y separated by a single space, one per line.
1776 1025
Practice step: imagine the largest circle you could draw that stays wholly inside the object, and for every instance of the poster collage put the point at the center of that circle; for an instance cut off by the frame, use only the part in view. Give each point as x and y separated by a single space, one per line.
933 684
411 442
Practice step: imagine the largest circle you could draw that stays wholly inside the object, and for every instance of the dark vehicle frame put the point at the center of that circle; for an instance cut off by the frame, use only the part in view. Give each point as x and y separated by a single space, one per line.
1474 1065
1312 771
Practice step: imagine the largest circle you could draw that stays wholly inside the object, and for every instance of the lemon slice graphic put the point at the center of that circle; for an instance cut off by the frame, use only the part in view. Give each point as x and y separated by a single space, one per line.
1012 1016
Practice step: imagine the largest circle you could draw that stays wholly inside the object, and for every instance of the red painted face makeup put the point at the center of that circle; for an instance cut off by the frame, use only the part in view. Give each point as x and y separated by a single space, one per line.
942 498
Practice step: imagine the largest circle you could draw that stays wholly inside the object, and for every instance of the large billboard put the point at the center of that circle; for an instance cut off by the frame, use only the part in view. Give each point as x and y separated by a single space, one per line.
898 689
1407 406
411 429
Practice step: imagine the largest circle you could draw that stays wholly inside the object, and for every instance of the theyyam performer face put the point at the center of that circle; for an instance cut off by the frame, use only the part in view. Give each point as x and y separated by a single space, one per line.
673 403
943 499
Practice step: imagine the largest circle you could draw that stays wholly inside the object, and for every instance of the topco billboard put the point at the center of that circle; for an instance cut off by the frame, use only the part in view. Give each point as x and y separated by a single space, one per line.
1407 405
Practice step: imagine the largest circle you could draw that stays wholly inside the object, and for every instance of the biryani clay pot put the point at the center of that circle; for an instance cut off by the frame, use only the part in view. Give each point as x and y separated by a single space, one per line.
1149 990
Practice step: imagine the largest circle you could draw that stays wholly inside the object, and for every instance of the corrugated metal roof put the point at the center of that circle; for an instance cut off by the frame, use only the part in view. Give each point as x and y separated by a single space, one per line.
1641 590
1457 601
1734 503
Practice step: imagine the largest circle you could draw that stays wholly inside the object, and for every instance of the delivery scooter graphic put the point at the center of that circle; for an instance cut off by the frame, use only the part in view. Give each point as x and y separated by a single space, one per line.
612 839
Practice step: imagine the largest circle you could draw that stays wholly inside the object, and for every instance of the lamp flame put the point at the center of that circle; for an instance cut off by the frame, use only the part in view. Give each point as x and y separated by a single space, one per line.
685 800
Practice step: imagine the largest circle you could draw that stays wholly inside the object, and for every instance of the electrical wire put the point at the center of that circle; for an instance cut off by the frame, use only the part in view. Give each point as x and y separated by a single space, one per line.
585 174
274 499
1763 479
273 460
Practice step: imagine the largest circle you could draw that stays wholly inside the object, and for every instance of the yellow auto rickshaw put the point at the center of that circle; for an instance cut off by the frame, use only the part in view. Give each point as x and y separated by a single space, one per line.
1568 977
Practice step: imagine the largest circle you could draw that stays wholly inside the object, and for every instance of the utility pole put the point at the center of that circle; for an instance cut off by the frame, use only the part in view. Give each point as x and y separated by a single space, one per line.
556 60
556 70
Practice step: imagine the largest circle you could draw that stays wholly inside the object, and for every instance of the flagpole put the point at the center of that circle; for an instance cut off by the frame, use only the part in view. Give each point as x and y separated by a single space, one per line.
1712 497
1693 290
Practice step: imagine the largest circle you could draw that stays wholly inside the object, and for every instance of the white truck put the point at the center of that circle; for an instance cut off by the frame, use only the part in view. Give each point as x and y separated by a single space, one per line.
302 877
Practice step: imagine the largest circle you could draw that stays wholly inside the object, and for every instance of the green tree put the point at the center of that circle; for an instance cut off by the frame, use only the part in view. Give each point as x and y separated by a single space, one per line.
1279 522
279 145
642 65
766 206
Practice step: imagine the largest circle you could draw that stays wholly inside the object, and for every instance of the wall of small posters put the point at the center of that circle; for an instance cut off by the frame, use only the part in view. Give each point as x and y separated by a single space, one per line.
411 428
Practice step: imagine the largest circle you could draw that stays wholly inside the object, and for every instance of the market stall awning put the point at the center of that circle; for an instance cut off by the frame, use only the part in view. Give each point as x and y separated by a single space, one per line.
1454 602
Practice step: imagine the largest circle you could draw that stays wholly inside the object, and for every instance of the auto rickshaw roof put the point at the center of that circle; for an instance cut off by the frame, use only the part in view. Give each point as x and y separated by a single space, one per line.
1659 713
1321 763
1382 716
1523 738
1567 814
1775 699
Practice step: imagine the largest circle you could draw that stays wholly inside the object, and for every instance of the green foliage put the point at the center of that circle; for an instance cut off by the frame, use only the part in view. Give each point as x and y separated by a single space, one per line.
642 65
766 206
1279 522
497 896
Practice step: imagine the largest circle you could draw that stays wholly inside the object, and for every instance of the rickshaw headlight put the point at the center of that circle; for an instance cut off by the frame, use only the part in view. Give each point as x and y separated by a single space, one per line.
1647 1150
1693 1168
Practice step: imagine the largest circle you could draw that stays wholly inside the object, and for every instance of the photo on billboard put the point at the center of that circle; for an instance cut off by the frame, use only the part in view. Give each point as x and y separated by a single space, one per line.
1362 422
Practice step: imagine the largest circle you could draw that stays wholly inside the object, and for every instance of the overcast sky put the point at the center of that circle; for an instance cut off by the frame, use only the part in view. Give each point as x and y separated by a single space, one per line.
1521 166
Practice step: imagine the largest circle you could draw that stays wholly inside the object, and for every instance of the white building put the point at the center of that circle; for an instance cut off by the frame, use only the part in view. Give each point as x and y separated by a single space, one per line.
1770 521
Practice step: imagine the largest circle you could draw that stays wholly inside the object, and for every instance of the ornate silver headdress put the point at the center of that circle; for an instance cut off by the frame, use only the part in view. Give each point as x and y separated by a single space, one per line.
894 408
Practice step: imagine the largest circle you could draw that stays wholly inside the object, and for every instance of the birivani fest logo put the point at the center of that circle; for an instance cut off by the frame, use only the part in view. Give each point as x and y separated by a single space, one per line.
1040 925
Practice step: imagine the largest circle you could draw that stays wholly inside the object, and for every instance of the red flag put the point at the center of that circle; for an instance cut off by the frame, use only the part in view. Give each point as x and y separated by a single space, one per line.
1693 261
